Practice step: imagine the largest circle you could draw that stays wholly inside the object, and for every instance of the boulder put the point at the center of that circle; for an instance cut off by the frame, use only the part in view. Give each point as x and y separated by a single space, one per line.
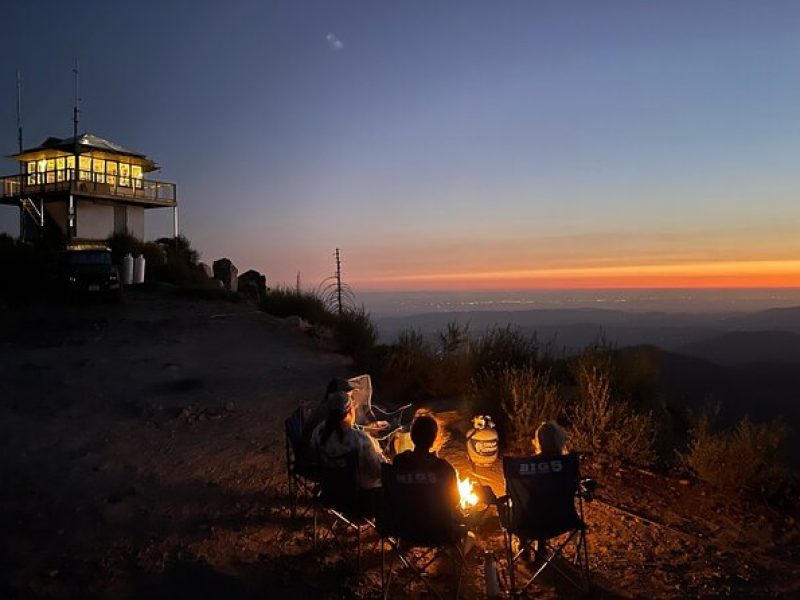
226 272
207 270
253 285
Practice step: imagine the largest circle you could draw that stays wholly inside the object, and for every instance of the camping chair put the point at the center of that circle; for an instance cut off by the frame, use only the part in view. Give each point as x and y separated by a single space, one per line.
416 514
542 494
339 499
375 420
299 470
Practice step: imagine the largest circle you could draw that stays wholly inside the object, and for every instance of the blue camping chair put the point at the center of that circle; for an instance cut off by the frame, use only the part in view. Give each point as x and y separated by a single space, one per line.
299 469
416 513
339 499
544 501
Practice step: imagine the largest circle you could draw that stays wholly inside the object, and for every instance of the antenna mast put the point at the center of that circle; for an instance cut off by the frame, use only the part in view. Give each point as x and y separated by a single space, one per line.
76 108
338 281
19 111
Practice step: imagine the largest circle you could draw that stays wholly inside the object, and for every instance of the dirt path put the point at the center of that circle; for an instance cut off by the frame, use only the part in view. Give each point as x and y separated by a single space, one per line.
141 454
139 444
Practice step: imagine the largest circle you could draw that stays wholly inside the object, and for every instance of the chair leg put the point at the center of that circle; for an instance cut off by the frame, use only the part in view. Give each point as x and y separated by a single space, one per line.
585 560
358 551
459 561
383 568
510 563
388 570
292 497
314 546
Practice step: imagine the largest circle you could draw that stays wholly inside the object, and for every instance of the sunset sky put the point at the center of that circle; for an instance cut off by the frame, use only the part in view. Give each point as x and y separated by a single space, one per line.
444 145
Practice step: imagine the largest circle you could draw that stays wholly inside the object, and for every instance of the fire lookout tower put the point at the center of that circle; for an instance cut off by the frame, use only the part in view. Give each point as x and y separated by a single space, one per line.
87 187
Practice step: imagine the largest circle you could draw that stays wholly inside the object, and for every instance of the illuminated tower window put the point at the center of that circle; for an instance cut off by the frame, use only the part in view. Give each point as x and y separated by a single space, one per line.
111 172
124 174
60 166
136 176
84 168
99 170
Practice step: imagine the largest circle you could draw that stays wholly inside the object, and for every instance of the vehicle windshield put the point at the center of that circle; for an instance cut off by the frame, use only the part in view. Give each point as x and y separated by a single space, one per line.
89 258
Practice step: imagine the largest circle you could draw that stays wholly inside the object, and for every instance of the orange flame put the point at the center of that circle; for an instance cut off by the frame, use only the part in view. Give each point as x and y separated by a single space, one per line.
466 492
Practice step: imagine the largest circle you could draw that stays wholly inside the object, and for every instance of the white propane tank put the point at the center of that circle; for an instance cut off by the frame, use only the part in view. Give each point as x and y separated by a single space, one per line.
138 270
127 269
482 441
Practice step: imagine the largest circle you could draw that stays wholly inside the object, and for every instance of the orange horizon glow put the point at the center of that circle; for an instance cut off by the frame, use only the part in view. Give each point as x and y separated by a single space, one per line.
714 275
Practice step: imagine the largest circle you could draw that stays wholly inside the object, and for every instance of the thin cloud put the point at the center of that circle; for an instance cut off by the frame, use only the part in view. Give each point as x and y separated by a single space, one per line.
334 42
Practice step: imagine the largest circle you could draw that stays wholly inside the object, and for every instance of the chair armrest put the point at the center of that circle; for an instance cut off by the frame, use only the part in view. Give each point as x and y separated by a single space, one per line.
503 504
587 488
390 412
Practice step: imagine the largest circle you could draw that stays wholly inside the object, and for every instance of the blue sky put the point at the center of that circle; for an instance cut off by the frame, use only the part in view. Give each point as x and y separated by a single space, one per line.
428 138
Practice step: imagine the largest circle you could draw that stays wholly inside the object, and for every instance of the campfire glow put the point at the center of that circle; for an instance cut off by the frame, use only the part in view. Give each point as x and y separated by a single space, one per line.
467 493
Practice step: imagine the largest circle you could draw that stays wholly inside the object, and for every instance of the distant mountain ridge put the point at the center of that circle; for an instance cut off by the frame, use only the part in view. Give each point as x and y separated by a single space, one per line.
574 328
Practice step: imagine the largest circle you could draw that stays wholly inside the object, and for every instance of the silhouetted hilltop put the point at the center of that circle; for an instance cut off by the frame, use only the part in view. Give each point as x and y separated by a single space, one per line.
762 391
742 347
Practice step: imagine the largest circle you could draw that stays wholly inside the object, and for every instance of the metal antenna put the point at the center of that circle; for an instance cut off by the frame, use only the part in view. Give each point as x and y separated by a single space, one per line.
338 281
19 111
76 109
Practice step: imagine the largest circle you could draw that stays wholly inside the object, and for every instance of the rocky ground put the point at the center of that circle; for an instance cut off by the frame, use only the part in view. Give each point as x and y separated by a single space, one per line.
141 455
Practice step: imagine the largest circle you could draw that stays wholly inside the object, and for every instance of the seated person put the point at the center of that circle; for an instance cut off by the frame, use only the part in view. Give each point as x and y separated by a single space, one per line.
424 436
337 436
550 439
320 412
424 433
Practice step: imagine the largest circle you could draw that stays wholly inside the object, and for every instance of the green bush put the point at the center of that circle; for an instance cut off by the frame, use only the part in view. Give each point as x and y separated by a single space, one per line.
746 458
168 260
453 362
503 347
352 330
409 364
355 334
286 302
122 244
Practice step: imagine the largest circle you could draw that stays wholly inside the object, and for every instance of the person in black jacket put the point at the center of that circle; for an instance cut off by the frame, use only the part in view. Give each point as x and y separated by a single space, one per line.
424 432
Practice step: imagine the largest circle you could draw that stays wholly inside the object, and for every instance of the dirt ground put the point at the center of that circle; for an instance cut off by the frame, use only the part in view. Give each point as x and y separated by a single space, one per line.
141 455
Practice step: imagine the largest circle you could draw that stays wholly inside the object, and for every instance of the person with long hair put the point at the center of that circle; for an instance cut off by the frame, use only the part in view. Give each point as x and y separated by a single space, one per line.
337 436
320 412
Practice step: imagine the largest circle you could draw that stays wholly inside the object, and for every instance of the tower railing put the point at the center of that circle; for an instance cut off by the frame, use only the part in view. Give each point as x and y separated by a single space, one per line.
89 183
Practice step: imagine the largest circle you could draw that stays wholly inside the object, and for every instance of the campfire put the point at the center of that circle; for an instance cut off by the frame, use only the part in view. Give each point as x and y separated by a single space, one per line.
467 492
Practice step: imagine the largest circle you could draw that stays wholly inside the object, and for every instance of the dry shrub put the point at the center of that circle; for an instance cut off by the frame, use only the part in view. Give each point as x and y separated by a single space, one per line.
604 424
527 397
519 398
747 457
